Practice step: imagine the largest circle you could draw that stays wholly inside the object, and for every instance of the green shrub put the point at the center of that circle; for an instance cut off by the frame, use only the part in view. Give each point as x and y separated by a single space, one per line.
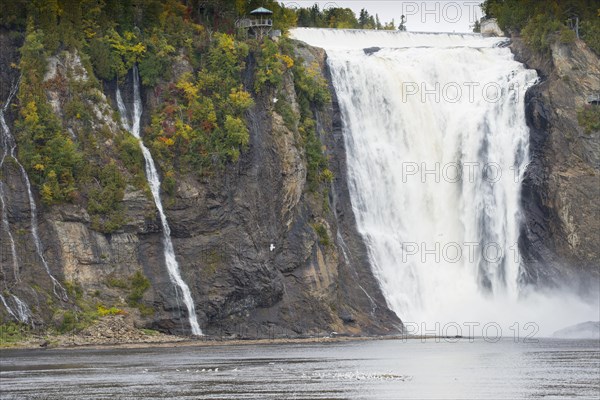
511 15
201 125
542 18
76 109
567 36
168 184
236 136
106 62
128 46
136 286
270 66
132 158
74 290
114 282
312 94
284 108
13 332
315 158
68 323
226 57
105 200
154 65
310 85
139 285
130 153
145 311
322 234
590 33
539 32
52 159
73 321
327 175
589 118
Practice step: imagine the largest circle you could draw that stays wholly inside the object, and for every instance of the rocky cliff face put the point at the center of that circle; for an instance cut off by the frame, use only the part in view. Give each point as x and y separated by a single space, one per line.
264 255
560 236
245 240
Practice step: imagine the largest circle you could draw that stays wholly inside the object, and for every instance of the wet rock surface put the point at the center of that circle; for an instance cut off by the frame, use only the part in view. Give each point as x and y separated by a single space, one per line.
559 239
244 239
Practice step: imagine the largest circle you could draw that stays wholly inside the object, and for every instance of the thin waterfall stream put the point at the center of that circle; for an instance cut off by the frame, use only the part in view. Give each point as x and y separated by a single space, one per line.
9 146
154 183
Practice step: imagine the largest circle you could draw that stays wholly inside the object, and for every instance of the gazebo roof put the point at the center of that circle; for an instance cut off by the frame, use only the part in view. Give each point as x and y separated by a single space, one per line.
261 10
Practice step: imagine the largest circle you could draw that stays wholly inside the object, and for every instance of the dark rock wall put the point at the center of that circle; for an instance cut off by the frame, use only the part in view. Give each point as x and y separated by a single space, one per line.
224 227
560 238
244 239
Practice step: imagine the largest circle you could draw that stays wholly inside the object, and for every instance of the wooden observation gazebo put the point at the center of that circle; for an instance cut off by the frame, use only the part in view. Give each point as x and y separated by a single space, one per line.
259 24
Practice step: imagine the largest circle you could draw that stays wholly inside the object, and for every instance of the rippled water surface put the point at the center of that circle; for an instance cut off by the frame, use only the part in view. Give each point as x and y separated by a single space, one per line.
378 370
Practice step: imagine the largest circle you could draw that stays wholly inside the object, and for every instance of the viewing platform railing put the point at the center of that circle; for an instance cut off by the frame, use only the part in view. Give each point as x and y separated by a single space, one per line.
249 23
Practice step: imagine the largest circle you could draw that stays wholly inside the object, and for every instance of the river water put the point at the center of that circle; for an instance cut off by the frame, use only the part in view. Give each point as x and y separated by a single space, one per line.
388 369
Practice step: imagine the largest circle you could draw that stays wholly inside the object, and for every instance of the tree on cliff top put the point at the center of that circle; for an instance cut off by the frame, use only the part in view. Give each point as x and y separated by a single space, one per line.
538 22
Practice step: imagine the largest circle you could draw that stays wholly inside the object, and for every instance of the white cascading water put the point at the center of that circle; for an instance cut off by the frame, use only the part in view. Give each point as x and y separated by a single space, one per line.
9 146
20 312
11 240
154 183
436 146
10 311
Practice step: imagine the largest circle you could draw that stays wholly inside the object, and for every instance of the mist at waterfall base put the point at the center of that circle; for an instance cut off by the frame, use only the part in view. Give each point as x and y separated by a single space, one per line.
413 108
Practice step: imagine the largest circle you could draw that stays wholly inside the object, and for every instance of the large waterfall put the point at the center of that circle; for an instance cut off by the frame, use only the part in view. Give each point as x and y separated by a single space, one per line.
436 146
154 183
